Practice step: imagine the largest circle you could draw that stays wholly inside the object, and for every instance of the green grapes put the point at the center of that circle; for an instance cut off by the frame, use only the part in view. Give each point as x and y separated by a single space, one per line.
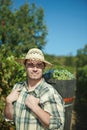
62 75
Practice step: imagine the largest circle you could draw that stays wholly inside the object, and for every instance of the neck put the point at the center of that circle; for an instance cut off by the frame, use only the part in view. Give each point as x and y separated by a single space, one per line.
33 83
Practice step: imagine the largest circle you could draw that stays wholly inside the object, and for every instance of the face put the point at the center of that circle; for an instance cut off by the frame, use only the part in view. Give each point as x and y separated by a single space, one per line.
34 69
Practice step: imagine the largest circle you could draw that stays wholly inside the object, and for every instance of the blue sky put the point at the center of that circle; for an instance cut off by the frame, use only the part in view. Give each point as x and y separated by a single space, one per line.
66 21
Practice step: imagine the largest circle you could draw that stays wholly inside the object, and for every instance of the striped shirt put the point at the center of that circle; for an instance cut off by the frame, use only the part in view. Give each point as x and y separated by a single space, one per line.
50 101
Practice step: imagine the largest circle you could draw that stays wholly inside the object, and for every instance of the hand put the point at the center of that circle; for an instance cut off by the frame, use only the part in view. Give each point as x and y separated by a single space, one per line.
32 102
13 96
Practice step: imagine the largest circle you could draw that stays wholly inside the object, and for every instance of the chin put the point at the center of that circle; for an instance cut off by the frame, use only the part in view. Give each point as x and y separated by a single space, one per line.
35 78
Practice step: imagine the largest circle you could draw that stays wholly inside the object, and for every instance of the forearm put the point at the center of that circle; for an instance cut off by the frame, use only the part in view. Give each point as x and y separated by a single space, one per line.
43 116
9 110
47 120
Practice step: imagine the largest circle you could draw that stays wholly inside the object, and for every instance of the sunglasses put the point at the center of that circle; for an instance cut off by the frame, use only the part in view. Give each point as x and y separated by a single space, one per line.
37 65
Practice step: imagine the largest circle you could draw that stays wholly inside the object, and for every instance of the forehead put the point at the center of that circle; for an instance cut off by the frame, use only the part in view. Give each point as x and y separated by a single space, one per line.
34 61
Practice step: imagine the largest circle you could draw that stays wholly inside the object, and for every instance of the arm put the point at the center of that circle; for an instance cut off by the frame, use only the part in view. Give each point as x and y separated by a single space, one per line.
43 116
53 103
55 106
9 110
52 115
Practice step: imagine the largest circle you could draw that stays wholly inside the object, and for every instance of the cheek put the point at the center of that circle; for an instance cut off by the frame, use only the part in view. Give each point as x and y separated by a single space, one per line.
28 70
40 72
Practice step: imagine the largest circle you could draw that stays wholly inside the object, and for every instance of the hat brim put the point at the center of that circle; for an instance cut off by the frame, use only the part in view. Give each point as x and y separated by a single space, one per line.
21 61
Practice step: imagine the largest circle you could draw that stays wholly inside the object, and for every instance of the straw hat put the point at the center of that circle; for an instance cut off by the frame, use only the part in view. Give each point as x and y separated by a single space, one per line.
34 54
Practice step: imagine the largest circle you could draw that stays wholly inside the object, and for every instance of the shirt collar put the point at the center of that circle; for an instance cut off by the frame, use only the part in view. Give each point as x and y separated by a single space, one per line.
37 89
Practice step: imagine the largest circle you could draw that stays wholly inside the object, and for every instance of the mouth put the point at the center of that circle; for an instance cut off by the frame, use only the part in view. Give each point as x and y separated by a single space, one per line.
35 74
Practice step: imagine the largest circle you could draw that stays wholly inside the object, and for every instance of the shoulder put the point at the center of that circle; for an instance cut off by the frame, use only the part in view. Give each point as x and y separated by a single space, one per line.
50 88
49 94
53 92
19 85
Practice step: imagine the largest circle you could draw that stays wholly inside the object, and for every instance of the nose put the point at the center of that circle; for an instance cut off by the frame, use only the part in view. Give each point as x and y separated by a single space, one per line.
34 68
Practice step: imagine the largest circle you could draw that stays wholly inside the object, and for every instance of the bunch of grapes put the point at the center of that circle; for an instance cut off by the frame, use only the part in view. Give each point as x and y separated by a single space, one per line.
62 75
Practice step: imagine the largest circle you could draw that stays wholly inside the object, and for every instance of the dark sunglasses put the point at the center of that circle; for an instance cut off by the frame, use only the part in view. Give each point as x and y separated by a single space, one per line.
37 65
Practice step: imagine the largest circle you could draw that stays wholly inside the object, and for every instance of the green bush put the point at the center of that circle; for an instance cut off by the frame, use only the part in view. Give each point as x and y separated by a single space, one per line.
82 84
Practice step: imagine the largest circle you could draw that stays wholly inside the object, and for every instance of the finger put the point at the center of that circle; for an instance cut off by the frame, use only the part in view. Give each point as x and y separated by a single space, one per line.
18 90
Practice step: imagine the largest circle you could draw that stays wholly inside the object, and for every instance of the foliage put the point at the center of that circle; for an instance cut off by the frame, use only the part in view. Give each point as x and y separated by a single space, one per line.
2 104
4 125
81 70
59 74
10 73
60 62
62 75
82 57
82 84
21 29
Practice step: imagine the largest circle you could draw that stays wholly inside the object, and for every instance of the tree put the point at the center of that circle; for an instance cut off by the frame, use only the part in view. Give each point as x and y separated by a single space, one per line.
82 57
82 84
81 68
21 29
